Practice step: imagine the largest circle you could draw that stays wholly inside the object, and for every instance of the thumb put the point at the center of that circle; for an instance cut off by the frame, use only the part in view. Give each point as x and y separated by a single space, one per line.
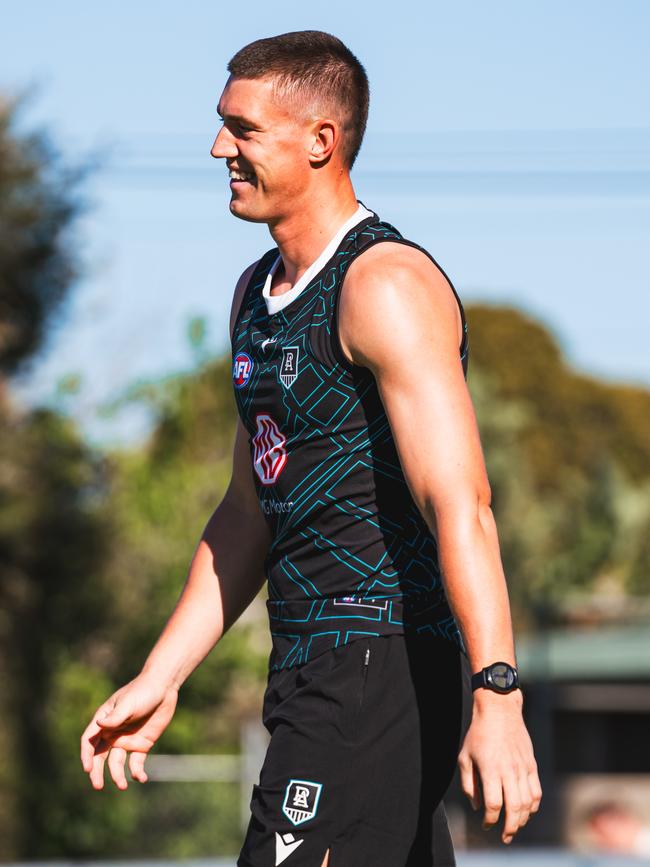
119 714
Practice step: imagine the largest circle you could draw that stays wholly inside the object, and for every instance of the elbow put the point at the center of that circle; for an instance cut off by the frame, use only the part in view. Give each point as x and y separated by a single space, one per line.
484 506
463 510
484 496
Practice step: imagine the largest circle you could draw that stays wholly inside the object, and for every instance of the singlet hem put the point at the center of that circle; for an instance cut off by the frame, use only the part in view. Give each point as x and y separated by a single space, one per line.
305 628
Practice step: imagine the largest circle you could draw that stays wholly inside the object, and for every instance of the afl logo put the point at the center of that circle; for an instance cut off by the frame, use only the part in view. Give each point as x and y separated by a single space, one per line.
242 369
269 452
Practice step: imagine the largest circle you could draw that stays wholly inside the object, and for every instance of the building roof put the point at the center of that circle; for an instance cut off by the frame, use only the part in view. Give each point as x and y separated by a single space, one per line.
594 653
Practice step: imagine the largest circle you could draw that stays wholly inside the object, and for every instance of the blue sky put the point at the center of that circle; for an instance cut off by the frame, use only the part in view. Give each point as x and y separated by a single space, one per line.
511 139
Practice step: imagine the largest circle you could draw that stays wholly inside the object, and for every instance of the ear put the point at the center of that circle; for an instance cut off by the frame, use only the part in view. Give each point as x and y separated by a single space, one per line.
324 138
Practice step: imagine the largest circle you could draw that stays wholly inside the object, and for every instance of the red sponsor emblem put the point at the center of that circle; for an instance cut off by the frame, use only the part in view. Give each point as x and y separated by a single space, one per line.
269 452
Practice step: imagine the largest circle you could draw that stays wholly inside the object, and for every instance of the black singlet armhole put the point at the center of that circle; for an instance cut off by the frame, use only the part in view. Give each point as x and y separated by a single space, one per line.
337 349
264 263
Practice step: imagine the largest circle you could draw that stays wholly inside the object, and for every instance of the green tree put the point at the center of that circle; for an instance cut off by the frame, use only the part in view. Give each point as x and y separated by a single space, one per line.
39 200
52 541
568 458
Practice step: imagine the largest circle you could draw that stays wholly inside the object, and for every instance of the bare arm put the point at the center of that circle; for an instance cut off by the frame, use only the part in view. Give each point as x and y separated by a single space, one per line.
225 574
226 571
434 425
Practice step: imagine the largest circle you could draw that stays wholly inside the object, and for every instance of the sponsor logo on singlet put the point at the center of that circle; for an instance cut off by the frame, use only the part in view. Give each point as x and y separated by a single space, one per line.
276 507
301 800
242 369
289 365
269 452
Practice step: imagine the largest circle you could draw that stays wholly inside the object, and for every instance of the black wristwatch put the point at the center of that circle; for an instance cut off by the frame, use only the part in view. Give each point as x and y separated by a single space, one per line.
499 677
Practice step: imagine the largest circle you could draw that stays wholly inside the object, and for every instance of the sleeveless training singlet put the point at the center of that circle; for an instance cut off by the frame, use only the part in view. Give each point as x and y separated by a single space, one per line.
351 555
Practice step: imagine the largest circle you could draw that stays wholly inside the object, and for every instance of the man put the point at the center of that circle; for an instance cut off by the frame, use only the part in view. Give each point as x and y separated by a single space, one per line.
615 826
359 492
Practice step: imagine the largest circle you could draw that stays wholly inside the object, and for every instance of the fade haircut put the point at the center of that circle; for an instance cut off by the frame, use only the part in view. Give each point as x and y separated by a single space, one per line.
317 74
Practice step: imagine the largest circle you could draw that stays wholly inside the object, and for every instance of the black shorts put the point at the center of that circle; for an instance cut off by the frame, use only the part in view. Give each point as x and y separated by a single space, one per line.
364 743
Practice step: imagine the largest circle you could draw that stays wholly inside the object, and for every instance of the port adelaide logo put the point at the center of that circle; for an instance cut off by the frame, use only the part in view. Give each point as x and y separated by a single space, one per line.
289 365
301 800
242 369
269 449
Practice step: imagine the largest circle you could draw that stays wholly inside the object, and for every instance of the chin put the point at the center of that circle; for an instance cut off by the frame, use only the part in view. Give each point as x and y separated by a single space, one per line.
240 210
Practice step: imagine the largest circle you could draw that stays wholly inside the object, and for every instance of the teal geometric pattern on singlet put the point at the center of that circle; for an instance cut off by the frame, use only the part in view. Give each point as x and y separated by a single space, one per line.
350 554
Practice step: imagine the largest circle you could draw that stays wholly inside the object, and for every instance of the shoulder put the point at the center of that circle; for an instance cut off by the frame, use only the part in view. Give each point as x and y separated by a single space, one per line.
240 288
394 293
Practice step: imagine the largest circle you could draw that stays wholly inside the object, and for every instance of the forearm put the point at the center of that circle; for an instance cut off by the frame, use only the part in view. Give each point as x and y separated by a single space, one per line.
226 572
474 581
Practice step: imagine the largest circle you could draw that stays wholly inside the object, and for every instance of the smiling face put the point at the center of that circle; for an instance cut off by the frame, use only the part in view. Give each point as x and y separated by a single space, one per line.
267 149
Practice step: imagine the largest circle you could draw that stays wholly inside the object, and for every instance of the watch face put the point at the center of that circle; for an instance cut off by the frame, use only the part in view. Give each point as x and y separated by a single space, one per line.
501 676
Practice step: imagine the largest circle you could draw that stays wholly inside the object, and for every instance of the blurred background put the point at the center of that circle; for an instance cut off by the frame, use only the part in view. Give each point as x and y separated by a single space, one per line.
510 139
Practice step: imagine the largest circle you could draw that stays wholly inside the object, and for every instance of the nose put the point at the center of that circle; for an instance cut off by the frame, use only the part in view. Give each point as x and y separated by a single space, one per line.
224 145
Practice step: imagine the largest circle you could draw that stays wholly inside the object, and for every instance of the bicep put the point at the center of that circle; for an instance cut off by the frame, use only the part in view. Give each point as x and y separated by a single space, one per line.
402 322
435 429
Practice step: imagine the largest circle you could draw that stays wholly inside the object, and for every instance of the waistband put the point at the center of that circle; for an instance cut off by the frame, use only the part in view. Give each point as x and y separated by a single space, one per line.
304 628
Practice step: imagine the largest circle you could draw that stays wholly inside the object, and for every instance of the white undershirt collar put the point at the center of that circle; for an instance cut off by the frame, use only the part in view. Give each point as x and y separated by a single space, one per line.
274 303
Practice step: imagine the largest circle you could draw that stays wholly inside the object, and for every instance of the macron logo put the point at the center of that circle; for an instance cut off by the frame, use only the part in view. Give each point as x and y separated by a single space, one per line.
285 844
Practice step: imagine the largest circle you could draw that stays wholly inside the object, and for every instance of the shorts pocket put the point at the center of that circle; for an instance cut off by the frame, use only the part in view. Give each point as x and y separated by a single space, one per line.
346 688
365 665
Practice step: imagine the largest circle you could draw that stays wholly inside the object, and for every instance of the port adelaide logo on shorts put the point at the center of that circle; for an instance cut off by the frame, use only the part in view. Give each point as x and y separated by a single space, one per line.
289 365
301 800
242 369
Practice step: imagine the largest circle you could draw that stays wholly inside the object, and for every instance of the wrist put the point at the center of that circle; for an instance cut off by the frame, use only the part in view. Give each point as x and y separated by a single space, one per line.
162 680
488 700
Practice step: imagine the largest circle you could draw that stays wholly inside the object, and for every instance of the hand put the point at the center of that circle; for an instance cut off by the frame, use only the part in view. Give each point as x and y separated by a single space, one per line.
132 719
496 762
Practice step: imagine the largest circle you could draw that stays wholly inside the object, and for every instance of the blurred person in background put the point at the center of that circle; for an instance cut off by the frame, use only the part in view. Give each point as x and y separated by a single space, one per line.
358 483
615 827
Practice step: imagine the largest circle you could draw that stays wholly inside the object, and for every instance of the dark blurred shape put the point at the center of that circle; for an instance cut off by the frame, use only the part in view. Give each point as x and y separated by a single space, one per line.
53 604
53 535
39 200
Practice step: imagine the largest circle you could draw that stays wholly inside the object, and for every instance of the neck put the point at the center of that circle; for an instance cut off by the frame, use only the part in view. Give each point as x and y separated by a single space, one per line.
304 234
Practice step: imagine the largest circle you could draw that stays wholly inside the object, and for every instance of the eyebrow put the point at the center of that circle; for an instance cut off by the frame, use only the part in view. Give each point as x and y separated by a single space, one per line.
238 117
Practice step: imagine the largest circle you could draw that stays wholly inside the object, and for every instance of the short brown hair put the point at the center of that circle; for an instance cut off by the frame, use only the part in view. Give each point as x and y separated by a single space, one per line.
315 69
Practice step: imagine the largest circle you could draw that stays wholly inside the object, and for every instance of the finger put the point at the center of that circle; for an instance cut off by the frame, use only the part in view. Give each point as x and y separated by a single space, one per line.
136 766
492 799
512 807
132 741
525 799
98 761
91 732
116 759
469 781
88 739
535 789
